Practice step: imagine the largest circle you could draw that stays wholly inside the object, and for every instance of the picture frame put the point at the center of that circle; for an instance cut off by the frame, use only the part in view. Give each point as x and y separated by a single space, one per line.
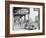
24 18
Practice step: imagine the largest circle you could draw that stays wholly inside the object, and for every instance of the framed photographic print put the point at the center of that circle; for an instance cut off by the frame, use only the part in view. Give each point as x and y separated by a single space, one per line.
24 19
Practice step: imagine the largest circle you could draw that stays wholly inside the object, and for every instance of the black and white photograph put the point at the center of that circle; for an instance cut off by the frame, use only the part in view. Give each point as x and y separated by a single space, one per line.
25 19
